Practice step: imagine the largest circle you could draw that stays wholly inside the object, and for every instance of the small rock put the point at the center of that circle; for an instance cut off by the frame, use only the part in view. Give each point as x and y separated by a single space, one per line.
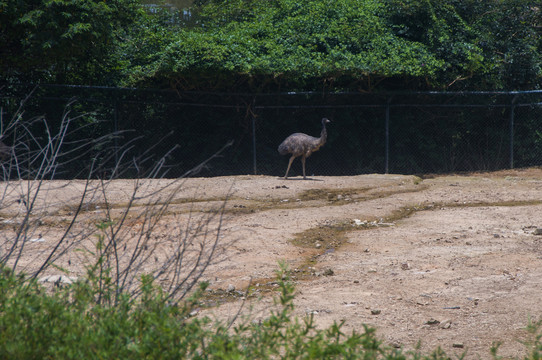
230 288
329 272
458 345
311 312
376 312
318 245
57 279
446 324
432 322
405 266
537 231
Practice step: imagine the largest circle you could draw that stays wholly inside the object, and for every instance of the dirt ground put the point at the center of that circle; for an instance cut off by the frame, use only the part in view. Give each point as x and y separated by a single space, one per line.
452 261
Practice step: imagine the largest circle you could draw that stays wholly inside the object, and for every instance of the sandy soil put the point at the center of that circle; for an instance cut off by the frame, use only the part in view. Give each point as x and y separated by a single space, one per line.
452 261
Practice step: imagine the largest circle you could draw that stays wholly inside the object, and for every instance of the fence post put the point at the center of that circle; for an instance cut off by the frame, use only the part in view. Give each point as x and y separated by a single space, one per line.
512 111
387 135
254 136
254 144
116 129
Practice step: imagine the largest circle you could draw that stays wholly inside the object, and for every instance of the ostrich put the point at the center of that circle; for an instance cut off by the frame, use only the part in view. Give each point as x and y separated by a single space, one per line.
300 144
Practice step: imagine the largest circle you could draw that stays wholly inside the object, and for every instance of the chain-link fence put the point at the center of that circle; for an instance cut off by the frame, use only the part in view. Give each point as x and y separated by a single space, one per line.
407 133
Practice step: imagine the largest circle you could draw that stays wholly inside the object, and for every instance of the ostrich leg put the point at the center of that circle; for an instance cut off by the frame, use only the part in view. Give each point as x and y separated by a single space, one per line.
303 161
289 164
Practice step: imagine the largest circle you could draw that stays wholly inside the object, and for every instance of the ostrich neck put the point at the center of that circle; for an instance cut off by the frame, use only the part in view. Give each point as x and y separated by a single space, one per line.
323 135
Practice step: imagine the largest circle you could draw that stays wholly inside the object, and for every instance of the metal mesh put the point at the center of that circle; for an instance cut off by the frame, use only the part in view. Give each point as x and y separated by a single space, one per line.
407 133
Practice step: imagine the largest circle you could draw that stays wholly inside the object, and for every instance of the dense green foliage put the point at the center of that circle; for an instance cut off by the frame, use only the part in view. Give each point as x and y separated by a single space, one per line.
64 41
293 43
486 44
68 323
261 45
355 45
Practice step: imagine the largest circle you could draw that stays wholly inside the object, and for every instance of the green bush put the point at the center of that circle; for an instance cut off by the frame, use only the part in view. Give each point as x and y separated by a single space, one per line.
68 323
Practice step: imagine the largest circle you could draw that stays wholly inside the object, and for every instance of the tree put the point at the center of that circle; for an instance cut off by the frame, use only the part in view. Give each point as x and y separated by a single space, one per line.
286 43
63 41
485 45
352 44
262 45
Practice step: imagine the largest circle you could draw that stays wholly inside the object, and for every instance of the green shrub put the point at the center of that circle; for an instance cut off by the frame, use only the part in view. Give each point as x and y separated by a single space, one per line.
68 323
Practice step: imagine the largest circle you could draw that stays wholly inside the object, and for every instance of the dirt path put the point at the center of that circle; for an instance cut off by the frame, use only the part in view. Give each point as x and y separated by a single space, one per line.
453 261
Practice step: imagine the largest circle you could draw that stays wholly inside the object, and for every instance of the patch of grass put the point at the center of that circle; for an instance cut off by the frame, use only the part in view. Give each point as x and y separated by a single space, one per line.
323 237
407 211
508 203
257 288
212 298
331 194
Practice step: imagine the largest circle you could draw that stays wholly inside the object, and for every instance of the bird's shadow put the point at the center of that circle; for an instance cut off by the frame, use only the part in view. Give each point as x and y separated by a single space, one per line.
298 179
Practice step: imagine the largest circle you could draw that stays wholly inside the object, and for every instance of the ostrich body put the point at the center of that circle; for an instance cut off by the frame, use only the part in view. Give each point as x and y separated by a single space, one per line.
303 145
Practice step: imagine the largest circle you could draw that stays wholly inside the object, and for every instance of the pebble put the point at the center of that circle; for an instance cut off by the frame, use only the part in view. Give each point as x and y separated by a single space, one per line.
376 312
230 288
446 324
57 279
